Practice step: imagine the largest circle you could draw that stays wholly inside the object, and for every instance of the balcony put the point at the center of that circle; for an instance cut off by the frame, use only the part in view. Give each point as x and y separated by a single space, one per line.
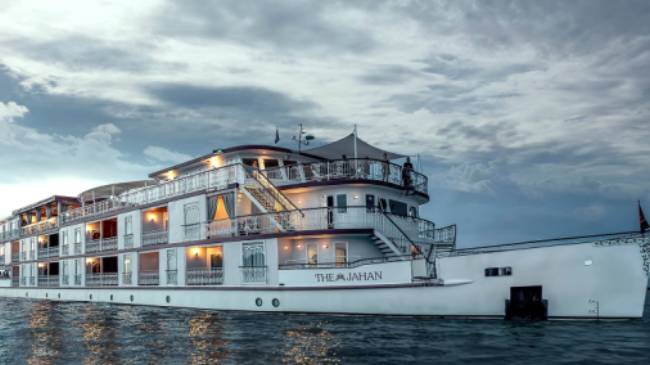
65 250
127 278
77 248
253 274
101 245
10 235
172 277
41 227
219 178
32 280
46 252
48 281
101 279
15 280
418 230
148 278
128 241
349 169
15 256
204 276
2 259
77 279
155 238
23 256
65 280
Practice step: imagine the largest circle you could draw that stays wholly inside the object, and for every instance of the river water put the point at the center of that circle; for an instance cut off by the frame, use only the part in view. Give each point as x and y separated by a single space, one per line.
43 332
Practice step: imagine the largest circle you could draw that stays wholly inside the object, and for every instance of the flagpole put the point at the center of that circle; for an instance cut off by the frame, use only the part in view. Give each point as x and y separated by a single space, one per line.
355 150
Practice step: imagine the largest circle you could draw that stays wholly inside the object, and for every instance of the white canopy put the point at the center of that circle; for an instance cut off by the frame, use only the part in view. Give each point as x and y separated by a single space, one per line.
345 146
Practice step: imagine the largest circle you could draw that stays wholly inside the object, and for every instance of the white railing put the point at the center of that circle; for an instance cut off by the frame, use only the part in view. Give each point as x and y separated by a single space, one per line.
204 276
172 277
128 240
101 279
155 238
40 227
253 274
77 248
48 281
352 169
127 278
45 252
148 278
219 178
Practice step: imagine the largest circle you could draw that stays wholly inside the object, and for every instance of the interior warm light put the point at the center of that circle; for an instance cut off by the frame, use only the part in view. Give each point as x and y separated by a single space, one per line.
170 175
41 265
152 217
286 247
325 245
90 260
299 245
195 251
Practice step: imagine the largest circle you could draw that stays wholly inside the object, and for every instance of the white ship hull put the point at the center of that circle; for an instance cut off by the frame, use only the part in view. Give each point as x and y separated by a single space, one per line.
579 281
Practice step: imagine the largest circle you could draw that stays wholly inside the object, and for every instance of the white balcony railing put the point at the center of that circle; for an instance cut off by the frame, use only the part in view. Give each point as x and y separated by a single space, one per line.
219 178
155 238
148 278
101 279
253 274
213 276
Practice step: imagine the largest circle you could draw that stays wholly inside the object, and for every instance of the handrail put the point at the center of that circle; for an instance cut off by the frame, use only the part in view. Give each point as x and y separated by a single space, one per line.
334 169
413 245
347 265
273 190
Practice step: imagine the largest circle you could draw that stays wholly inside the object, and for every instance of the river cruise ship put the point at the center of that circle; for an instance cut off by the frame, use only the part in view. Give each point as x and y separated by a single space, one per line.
331 229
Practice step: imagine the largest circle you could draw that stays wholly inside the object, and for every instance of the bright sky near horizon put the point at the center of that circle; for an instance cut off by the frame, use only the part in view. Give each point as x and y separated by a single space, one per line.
532 118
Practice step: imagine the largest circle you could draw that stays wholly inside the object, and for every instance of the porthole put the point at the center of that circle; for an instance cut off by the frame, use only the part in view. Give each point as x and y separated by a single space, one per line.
131 297
168 299
111 297
276 302
59 295
258 302
26 294
46 295
90 296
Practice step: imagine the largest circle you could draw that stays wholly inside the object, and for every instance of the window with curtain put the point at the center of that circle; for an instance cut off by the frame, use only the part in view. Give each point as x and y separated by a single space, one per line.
128 225
253 255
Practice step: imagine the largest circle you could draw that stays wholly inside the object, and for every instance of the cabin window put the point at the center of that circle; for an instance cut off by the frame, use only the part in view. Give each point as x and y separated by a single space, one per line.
370 202
341 254
498 271
250 162
312 253
413 212
382 205
253 255
269 164
342 203
398 208
77 235
64 238
128 225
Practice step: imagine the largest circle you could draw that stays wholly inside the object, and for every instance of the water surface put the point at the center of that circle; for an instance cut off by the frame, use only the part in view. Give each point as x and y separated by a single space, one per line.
44 332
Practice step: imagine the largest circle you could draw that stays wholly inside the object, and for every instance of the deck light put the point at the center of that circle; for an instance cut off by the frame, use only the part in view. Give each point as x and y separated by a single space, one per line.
195 251
41 265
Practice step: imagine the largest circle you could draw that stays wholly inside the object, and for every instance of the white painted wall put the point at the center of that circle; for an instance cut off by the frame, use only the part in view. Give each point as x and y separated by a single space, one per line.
176 211
136 219
385 273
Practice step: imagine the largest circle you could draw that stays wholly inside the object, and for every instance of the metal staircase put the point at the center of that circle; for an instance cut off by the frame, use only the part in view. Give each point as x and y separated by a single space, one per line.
269 199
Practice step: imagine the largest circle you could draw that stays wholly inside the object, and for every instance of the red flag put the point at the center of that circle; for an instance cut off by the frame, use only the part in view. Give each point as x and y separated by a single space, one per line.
643 223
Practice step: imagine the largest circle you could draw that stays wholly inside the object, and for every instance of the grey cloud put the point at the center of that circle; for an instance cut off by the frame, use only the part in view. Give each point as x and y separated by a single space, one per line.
290 25
389 74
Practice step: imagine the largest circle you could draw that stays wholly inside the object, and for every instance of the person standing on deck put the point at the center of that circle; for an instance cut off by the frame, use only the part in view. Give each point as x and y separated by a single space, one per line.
385 164
407 182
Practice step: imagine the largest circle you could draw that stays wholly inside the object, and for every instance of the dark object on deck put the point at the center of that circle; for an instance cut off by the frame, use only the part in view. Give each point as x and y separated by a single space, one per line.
526 303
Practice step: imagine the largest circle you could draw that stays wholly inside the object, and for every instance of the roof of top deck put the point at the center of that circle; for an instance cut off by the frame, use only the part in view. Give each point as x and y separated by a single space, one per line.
331 151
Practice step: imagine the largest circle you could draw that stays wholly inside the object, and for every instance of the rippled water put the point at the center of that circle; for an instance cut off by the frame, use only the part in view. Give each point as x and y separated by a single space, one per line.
41 332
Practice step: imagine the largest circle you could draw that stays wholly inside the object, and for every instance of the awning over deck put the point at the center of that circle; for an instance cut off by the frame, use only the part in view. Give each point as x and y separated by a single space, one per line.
345 146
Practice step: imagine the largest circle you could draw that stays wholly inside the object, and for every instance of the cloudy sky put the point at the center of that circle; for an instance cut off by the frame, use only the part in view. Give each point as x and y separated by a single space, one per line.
532 118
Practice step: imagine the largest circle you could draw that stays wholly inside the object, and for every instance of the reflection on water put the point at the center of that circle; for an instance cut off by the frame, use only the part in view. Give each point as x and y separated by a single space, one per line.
42 332
46 341
310 345
205 331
